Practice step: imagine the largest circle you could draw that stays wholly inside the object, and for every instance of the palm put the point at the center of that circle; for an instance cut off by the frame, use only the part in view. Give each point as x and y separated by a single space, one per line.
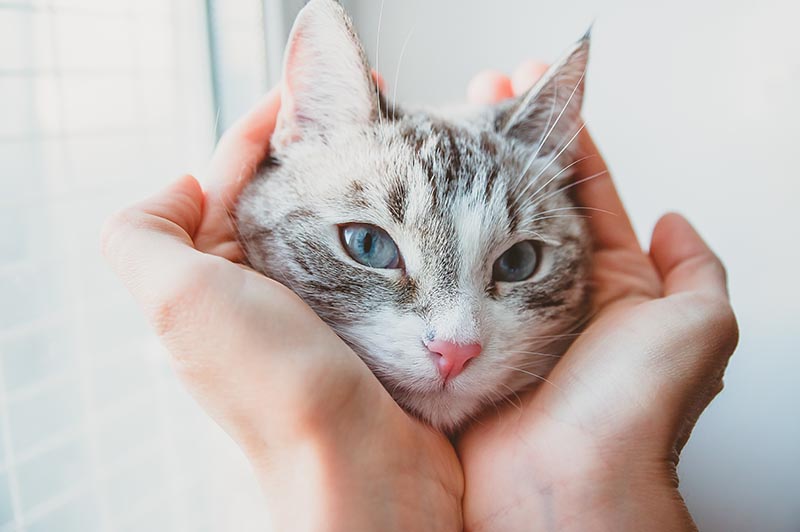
633 376
581 391
605 389
625 279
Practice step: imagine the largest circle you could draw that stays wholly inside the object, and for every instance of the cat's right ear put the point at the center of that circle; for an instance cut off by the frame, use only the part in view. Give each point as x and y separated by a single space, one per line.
548 115
327 83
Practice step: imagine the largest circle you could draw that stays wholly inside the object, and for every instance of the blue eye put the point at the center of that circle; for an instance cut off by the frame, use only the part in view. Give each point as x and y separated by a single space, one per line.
518 263
370 246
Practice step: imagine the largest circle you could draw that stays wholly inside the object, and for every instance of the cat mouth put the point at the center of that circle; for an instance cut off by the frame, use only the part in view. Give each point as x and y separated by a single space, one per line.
442 407
438 389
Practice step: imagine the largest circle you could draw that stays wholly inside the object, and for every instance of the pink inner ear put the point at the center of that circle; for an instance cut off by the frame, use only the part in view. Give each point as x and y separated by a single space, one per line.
287 129
325 78
379 81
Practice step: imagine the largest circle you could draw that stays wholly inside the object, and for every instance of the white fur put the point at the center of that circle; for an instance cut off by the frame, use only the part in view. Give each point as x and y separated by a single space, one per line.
328 139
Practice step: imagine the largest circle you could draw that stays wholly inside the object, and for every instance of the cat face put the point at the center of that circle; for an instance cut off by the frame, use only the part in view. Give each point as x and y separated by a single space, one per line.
446 252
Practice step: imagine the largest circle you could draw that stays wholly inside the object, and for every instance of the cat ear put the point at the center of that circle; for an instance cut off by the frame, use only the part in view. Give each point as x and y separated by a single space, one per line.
327 83
548 115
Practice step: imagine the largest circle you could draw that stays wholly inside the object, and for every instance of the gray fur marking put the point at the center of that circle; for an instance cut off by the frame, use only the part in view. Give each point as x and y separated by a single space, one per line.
453 193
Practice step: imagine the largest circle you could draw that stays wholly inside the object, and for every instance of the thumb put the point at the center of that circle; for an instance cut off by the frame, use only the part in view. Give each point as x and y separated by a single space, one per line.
684 260
249 350
692 273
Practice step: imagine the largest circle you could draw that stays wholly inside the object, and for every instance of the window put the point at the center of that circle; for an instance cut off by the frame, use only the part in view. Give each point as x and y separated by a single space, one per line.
102 102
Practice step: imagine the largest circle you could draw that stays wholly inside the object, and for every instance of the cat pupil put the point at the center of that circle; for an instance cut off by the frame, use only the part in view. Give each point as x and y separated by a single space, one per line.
370 246
513 259
367 243
517 264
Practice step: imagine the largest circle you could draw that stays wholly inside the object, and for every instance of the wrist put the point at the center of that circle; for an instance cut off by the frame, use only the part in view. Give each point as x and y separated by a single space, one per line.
542 485
318 488
621 495
587 503
370 467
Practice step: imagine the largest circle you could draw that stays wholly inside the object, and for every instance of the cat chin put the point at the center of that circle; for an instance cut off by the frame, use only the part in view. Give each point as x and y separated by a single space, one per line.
444 409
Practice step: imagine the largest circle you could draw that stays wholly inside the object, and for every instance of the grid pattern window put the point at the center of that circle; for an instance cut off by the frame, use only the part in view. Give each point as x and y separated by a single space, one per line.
238 57
102 102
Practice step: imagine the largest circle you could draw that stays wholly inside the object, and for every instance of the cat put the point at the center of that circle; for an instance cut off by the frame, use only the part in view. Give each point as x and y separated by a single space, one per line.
446 251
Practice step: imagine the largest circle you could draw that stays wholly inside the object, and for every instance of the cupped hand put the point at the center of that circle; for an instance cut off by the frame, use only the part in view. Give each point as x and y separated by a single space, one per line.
330 447
333 450
596 446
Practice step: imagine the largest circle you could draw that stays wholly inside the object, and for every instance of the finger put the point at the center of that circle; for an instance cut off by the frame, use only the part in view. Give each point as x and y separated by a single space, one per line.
238 340
150 244
197 303
489 86
690 268
684 260
239 153
176 212
225 327
245 144
596 190
181 204
379 81
526 75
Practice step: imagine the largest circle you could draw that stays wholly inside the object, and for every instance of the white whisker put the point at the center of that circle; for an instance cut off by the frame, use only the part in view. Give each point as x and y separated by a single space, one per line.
566 187
563 170
399 65
565 335
539 218
551 161
576 208
540 236
553 127
534 353
545 130
377 61
544 379
518 405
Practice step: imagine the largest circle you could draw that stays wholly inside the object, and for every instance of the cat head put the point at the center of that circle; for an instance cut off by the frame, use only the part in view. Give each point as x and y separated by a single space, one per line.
447 252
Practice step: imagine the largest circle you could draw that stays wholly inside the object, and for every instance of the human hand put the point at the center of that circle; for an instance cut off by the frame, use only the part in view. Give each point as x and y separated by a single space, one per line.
330 447
596 446
240 341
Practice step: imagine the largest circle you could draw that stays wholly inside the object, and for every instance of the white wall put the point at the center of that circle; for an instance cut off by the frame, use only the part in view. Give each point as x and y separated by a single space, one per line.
694 104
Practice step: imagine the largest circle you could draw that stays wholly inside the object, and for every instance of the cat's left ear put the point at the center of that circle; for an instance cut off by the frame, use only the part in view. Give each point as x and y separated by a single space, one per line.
548 115
327 83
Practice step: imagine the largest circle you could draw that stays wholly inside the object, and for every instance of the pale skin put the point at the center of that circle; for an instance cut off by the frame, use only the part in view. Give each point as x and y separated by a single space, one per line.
596 448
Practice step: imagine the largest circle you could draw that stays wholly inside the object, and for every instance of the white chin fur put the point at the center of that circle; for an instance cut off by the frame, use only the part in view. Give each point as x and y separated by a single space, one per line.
444 410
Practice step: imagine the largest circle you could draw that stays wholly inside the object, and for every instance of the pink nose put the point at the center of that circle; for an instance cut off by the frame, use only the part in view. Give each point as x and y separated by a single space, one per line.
452 357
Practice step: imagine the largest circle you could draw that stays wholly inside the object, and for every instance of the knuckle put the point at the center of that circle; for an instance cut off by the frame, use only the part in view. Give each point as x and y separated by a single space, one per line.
111 230
719 266
720 385
167 313
122 223
730 326
720 326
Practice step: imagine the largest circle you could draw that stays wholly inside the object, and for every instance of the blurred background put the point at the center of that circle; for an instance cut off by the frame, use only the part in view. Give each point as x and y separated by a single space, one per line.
694 104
